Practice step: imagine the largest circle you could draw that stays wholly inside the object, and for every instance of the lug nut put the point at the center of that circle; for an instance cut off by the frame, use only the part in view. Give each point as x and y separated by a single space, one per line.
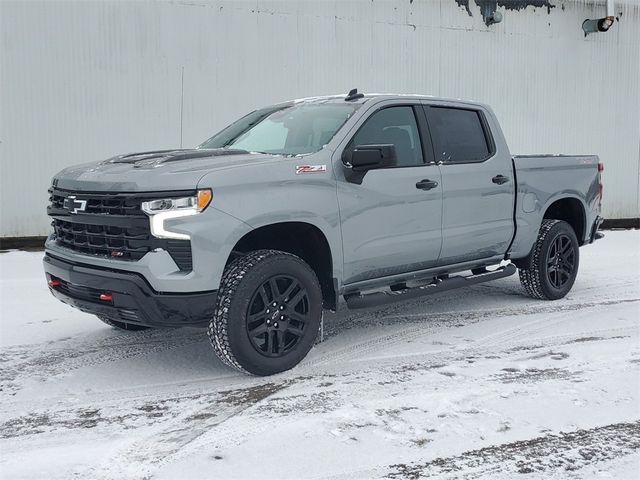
267 310
281 307
268 322
281 317
275 324
275 304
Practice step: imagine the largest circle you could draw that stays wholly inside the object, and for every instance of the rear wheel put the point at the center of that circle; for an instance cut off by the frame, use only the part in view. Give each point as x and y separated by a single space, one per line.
267 313
121 325
555 261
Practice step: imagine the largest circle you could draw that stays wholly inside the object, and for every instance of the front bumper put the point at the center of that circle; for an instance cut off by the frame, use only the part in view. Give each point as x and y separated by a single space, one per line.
213 235
127 297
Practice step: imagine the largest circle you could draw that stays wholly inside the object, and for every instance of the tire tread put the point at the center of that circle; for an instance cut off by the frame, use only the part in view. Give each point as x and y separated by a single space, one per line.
530 278
231 279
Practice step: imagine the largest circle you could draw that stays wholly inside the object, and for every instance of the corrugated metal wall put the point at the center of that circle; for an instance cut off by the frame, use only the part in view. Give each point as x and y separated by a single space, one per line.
81 81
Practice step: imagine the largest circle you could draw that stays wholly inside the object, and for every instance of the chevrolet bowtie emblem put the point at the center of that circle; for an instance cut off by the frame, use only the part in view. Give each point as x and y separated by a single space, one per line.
74 205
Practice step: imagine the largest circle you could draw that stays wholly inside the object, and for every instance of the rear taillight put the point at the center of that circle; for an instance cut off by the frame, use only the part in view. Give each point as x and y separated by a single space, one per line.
600 187
106 297
54 282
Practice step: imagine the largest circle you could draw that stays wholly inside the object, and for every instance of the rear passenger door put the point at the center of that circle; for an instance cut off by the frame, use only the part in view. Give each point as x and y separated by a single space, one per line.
477 182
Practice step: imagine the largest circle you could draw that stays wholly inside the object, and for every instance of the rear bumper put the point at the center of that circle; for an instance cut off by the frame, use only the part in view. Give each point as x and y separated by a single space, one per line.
595 234
132 300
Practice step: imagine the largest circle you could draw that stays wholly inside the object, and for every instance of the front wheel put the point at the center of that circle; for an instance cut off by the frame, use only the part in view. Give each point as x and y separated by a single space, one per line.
267 314
554 265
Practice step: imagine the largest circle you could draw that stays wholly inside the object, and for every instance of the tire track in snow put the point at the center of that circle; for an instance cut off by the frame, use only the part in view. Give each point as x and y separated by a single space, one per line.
20 363
198 425
577 292
328 362
160 404
561 452
502 339
439 321
203 424
440 359
233 434
499 346
162 443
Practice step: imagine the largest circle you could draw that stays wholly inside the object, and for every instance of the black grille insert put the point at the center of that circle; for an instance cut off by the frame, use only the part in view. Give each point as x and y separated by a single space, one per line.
81 293
112 225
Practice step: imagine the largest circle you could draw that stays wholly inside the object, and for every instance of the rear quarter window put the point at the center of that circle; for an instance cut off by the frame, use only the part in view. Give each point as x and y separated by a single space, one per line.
459 135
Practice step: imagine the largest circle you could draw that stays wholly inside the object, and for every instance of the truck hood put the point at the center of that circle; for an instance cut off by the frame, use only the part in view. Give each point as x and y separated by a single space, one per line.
160 170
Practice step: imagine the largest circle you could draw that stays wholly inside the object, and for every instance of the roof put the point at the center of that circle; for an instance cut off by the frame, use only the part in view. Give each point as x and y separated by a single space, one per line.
338 98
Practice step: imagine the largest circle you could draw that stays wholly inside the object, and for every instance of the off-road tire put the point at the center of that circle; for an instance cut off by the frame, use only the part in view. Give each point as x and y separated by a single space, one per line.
121 325
535 279
228 328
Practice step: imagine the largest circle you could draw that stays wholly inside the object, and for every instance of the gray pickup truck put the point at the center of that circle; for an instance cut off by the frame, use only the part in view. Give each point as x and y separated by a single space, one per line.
375 198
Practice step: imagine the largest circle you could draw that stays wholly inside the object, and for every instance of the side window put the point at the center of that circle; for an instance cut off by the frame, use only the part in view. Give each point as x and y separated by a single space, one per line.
393 125
458 135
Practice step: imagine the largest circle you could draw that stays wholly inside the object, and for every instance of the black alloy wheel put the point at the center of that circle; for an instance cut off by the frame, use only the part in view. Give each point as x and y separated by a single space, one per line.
554 262
278 315
561 259
268 312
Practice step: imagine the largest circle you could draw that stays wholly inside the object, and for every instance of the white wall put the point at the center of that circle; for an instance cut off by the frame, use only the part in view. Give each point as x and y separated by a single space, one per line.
82 81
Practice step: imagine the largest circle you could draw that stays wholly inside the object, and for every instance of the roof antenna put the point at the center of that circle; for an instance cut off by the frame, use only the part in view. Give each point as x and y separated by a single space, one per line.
353 95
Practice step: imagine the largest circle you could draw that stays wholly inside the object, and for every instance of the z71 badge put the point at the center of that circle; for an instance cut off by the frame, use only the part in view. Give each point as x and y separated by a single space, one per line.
300 169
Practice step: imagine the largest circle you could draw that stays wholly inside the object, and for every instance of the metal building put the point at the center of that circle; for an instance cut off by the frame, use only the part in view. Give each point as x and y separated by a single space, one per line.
81 81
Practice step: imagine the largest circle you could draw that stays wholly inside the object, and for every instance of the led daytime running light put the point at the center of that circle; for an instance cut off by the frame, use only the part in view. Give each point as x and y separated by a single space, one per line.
164 209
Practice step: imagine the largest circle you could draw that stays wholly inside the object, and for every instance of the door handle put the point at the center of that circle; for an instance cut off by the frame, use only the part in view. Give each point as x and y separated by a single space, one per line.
426 184
500 179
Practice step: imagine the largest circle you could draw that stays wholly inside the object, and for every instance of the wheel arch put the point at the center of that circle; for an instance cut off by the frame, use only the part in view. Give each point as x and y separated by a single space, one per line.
571 210
302 239
567 208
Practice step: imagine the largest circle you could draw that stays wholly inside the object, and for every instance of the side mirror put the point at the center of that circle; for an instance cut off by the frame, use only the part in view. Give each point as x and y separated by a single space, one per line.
367 157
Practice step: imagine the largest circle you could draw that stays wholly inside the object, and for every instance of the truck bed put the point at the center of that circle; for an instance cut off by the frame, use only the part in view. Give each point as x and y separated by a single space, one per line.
542 179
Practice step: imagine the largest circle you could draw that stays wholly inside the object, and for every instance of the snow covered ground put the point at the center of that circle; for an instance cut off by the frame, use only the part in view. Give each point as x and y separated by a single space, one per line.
481 383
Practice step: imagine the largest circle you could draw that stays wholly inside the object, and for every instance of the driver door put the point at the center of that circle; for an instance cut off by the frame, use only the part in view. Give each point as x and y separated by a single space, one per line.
391 223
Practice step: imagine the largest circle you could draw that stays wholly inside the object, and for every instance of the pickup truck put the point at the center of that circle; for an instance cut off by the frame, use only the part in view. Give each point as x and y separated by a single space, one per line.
373 198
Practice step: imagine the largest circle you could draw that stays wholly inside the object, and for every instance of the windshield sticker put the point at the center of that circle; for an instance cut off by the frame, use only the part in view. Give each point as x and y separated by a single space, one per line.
300 169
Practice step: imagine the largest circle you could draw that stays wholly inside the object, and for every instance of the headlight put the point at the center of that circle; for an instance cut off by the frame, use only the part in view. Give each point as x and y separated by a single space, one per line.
168 208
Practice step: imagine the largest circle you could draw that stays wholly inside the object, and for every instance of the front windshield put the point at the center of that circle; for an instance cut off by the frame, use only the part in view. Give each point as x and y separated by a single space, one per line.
284 130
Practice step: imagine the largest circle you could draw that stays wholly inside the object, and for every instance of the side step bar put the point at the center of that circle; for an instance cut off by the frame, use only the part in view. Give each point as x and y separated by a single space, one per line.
357 300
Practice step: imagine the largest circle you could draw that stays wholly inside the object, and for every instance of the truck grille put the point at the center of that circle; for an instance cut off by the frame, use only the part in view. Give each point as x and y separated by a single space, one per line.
112 225
100 204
